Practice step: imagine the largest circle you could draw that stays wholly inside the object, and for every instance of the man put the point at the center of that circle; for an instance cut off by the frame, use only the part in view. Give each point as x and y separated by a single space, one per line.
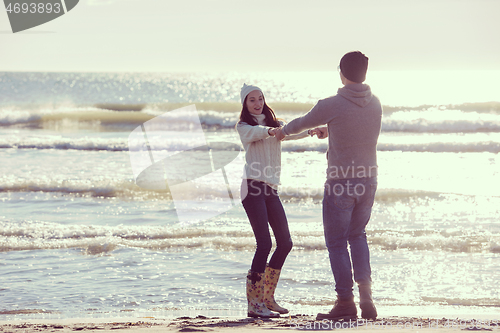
353 119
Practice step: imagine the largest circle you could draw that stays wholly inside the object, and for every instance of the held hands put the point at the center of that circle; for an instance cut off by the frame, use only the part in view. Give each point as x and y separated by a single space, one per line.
320 132
272 131
277 133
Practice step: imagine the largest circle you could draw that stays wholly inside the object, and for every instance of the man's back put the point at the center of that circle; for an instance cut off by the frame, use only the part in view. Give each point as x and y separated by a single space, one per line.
353 129
354 119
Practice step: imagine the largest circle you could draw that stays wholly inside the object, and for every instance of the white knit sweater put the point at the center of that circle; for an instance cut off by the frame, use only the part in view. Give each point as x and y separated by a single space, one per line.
263 152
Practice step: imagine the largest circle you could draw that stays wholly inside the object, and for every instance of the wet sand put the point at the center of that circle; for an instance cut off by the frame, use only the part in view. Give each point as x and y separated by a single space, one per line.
229 324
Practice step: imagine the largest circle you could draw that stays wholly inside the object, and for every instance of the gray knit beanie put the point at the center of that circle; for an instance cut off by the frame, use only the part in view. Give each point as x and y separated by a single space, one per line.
247 89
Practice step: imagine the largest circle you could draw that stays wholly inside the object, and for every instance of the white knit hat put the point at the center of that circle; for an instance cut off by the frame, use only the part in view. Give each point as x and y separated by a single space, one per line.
247 89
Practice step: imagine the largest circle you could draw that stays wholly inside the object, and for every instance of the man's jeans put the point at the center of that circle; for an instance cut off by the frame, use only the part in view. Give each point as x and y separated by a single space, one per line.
347 206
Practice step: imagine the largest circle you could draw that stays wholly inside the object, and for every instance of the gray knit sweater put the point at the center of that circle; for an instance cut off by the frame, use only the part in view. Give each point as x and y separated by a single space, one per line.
262 151
353 117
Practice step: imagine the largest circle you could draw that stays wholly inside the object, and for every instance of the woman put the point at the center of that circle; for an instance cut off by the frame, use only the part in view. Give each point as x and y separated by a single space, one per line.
257 127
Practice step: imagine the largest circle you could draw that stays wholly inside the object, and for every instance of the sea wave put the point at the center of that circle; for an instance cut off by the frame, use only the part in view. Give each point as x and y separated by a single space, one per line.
95 240
225 115
473 142
93 188
441 121
127 189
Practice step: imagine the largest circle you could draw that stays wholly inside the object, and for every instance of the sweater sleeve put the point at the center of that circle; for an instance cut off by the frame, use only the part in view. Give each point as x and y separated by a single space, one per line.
249 133
294 136
314 118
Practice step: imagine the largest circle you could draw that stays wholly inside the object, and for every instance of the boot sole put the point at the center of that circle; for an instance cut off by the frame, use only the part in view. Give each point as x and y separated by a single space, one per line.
338 318
251 315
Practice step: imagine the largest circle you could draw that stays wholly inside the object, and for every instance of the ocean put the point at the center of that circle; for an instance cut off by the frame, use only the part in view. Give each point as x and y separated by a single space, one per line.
79 238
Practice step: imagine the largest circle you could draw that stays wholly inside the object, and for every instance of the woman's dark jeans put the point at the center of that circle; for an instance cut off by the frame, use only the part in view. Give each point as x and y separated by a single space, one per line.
262 205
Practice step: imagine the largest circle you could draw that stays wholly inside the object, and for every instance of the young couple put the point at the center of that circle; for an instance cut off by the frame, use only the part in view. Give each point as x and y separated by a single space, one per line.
353 119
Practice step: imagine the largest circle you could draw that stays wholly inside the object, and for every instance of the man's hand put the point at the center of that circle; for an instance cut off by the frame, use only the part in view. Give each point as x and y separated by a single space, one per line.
321 132
279 134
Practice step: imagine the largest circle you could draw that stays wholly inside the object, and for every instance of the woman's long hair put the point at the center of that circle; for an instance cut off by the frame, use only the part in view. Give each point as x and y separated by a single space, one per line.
246 116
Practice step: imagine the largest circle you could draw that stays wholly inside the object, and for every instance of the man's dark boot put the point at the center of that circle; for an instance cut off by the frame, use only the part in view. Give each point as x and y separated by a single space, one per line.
368 310
344 308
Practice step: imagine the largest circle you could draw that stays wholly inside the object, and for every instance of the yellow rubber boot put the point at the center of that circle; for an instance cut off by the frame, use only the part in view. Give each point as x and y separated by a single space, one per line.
255 296
271 282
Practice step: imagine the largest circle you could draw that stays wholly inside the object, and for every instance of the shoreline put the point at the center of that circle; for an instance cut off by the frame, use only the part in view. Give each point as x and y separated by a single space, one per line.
226 324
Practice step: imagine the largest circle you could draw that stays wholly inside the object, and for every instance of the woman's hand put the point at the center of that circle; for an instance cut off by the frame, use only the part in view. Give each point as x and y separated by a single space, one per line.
320 132
272 131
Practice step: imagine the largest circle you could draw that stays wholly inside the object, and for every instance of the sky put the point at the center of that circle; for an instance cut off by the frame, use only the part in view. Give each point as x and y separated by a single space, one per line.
272 35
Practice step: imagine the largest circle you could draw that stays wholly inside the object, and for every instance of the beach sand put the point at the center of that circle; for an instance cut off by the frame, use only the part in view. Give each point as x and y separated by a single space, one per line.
291 323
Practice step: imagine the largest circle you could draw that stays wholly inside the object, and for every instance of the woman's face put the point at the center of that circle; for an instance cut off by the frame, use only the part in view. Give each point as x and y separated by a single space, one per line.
255 102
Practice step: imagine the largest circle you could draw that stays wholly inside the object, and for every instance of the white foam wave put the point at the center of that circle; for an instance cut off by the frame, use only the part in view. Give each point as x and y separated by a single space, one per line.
127 189
473 142
431 120
58 142
435 120
11 117
35 235
91 187
438 147
430 240
90 143
14 115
